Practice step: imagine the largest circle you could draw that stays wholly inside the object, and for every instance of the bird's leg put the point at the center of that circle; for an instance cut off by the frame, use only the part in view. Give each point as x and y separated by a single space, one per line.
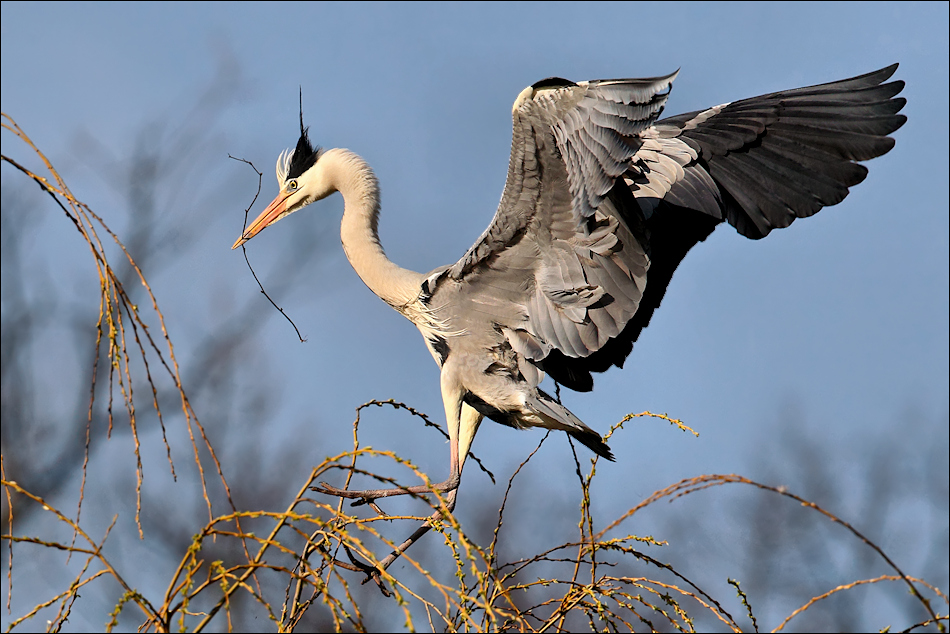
462 423
461 435
419 532
468 426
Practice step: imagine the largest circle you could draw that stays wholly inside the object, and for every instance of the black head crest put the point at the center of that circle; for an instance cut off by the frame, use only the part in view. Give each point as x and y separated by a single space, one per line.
305 155
302 130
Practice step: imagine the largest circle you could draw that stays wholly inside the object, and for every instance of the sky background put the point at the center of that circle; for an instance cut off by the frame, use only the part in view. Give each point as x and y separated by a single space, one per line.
835 328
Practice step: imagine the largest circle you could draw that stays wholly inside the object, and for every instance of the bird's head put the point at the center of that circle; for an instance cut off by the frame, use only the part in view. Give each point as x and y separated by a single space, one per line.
301 180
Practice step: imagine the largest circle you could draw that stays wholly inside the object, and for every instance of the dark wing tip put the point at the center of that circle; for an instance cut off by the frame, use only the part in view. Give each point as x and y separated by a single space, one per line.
887 71
553 82
899 121
874 78
593 441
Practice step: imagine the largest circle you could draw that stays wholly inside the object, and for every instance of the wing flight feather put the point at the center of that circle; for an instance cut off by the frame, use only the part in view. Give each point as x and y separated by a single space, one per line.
602 197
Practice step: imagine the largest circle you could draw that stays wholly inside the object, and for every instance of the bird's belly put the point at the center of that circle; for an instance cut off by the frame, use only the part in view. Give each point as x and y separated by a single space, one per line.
491 383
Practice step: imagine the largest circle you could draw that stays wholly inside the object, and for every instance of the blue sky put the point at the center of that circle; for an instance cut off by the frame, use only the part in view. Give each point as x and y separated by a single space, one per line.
842 318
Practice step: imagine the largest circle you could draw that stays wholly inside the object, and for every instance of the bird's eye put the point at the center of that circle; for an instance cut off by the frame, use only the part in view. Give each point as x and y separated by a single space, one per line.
292 185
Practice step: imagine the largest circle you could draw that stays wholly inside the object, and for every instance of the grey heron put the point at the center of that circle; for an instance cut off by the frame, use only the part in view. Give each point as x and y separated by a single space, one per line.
601 203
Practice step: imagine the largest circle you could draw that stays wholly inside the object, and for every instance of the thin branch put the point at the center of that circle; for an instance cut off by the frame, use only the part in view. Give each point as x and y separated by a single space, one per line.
244 249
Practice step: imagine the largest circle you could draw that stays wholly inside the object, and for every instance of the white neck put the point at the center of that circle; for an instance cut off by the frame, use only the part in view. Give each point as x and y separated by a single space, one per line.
352 177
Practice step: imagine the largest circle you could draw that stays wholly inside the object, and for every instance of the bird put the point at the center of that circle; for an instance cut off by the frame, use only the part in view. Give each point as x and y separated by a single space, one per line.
602 201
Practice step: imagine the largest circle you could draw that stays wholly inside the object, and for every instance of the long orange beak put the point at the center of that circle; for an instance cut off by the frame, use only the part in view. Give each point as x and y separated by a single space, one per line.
274 211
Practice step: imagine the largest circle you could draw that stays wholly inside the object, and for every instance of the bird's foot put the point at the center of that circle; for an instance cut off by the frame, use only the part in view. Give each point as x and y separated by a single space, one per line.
375 573
371 572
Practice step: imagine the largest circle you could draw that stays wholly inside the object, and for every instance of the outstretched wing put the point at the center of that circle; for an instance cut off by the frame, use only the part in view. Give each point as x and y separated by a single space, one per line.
787 154
602 202
578 138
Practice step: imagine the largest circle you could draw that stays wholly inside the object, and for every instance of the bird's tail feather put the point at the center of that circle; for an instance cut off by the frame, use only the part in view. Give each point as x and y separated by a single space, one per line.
559 417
